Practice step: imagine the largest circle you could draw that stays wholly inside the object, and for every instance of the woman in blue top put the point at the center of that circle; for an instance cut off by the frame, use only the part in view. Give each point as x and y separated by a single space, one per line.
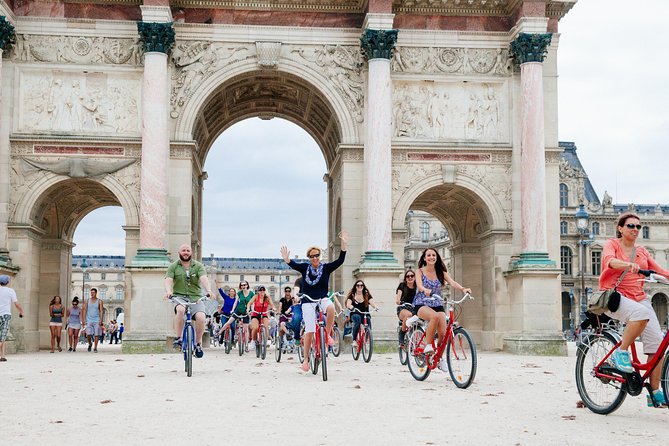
430 277
230 300
315 277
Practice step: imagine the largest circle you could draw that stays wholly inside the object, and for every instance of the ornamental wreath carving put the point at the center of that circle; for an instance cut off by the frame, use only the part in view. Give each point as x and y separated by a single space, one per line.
488 61
78 50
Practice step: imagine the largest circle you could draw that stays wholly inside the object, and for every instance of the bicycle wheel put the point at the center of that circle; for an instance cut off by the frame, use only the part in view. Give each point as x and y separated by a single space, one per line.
355 350
241 344
300 351
324 353
402 349
336 335
664 379
257 344
417 360
227 340
313 360
263 340
600 395
461 358
189 350
278 347
367 345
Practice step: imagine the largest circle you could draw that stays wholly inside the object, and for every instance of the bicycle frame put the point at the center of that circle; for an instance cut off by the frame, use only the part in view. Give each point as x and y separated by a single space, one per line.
360 337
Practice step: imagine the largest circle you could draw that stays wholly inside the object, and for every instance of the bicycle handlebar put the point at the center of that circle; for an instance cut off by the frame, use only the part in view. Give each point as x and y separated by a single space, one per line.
175 298
450 301
355 310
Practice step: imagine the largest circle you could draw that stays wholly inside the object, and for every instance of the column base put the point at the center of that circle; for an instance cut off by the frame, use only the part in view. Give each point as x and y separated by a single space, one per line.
146 342
535 344
6 265
374 259
532 260
151 257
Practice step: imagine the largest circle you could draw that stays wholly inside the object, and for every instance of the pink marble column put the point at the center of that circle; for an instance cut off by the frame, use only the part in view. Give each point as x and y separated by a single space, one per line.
532 159
155 152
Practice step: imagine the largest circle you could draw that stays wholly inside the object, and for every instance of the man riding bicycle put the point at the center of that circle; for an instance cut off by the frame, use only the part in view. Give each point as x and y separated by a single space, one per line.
186 277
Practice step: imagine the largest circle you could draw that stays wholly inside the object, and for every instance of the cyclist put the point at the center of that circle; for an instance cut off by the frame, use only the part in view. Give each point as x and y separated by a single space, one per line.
635 308
361 299
229 303
186 277
315 277
261 303
430 277
405 293
286 303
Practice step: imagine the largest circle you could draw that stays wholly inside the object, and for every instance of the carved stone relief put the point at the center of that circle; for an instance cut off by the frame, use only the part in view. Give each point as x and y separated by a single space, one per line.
451 111
78 50
342 65
488 61
196 61
78 102
405 176
497 179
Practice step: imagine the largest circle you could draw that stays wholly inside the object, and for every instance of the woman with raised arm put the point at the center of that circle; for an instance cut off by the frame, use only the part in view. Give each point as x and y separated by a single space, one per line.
315 278
621 254
430 277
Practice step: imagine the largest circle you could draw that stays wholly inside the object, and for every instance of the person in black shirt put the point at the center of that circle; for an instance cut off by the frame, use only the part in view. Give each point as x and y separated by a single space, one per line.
406 291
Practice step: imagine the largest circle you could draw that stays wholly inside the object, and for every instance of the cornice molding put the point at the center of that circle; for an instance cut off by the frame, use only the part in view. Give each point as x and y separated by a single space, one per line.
346 6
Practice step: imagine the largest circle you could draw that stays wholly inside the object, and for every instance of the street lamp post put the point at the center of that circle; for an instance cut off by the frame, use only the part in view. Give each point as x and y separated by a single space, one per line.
583 229
84 265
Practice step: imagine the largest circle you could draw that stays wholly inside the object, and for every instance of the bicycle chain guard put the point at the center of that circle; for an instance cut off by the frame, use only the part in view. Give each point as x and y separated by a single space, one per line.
634 383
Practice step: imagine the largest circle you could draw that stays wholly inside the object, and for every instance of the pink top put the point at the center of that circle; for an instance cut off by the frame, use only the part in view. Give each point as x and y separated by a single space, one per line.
631 287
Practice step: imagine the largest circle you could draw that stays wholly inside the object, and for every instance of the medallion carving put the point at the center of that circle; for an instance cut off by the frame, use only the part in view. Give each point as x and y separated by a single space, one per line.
78 102
466 61
78 50
451 111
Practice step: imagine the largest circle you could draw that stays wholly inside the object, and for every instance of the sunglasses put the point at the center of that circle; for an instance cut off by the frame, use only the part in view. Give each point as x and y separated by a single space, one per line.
633 226
314 256
410 276
359 284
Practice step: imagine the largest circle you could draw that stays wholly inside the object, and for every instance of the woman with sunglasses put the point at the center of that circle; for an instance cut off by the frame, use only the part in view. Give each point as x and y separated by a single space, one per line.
259 307
56 311
430 277
621 254
361 299
404 295
315 278
230 300
74 322
244 296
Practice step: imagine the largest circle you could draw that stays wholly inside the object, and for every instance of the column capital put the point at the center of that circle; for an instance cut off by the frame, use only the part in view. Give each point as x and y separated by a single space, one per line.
530 47
378 43
157 37
6 33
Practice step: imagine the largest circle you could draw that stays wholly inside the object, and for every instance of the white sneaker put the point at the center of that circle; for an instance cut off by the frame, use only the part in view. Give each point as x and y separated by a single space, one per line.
428 350
252 345
443 366
409 322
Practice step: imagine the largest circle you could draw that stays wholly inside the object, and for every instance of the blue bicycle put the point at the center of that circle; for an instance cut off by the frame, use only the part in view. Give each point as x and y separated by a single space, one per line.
188 335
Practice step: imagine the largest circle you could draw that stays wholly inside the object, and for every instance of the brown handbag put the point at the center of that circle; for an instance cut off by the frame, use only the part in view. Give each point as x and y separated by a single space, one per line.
603 301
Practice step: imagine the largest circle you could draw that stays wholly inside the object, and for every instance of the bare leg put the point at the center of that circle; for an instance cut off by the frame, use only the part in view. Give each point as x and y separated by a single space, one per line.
428 314
52 329
307 345
179 321
329 319
656 373
632 331
199 327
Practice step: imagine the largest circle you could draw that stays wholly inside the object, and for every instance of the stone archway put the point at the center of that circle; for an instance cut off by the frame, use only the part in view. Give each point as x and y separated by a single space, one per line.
661 307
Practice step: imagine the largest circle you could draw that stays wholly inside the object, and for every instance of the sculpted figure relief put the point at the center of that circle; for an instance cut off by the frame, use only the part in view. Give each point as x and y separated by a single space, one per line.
488 61
78 50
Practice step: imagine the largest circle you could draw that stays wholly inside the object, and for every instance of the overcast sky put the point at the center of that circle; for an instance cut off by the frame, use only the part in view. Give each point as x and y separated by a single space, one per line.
266 187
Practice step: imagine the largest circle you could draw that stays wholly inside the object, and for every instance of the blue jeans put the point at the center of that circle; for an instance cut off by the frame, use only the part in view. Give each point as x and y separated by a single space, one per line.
357 321
294 324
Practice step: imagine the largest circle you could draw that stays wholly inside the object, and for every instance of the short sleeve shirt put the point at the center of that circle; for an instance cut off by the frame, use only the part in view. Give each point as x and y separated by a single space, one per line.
7 297
407 293
187 281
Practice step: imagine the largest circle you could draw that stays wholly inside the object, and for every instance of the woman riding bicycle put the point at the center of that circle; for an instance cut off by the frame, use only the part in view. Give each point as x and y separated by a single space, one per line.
260 305
361 299
230 300
286 303
635 308
315 277
430 277
404 295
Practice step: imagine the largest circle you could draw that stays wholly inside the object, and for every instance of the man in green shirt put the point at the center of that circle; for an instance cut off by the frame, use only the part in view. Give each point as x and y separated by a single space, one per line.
186 278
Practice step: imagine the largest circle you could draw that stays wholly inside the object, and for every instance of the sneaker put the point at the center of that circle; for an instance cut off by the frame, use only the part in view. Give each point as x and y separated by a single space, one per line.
621 360
402 334
252 345
69 349
659 399
428 350
177 344
198 351
443 366
297 342
3 359
89 347
95 350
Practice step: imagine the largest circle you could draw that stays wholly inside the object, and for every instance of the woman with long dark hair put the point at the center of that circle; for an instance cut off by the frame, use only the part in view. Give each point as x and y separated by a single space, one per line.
430 277
56 311
74 323
361 299
404 295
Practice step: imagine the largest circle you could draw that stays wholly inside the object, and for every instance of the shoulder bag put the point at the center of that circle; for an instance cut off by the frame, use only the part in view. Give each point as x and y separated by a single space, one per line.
607 300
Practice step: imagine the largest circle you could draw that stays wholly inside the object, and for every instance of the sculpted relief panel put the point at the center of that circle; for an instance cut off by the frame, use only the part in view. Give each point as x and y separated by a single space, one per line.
79 102
470 111
488 61
78 50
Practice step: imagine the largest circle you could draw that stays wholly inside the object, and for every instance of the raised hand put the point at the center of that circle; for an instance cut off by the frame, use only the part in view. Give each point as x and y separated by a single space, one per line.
285 253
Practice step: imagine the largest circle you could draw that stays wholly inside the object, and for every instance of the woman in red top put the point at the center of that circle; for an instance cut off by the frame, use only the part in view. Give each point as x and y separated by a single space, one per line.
258 307
635 307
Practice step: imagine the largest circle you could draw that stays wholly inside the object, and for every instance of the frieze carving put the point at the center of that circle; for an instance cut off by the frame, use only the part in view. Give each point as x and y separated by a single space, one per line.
404 176
78 50
352 154
268 54
76 167
496 179
77 102
342 65
465 61
450 111
554 158
181 152
195 62
130 178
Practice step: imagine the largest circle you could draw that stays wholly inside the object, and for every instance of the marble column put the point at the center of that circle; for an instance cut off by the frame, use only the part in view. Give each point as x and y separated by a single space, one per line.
378 46
6 39
530 50
158 38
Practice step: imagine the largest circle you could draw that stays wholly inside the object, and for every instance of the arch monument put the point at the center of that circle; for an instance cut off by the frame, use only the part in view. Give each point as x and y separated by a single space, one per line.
443 106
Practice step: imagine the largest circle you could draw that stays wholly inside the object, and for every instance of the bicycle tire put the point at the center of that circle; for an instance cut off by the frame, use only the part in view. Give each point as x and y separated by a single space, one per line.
257 345
355 350
263 346
336 335
367 345
324 354
418 366
313 360
664 378
278 347
189 351
240 341
591 388
300 351
402 349
227 340
461 358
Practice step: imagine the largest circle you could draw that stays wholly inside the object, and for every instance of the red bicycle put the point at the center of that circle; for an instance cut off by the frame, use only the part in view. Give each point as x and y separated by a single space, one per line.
363 341
242 333
458 345
603 387
261 335
319 349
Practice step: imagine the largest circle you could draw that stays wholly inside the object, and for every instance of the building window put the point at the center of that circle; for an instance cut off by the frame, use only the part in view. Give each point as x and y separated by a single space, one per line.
565 260
563 228
226 278
595 228
257 278
119 293
564 195
87 276
645 232
103 276
596 263
271 278
103 293
241 277
424 231
287 278
87 293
